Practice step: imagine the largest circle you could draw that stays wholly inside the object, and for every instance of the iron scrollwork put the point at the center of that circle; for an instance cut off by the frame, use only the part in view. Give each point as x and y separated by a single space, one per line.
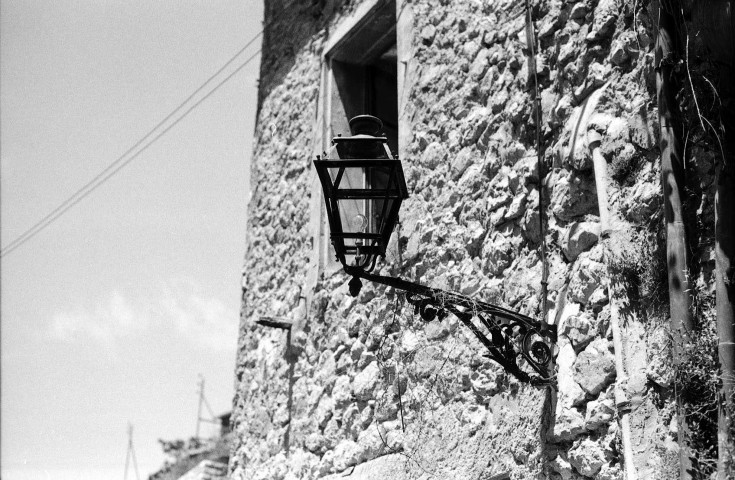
510 335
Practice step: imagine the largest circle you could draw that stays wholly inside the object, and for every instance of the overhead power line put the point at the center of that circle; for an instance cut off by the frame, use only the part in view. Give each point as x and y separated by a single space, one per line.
124 159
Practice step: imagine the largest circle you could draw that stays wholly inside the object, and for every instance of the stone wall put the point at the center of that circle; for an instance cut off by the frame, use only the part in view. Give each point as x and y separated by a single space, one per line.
364 382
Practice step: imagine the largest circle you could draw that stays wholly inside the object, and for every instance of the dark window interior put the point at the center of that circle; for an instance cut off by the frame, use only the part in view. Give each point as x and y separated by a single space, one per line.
365 74
382 94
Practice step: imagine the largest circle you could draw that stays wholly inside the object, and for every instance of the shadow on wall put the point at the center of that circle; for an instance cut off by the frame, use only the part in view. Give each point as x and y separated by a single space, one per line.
288 26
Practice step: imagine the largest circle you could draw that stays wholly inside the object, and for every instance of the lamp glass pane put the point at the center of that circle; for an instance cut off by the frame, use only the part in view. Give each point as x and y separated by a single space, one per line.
378 178
352 178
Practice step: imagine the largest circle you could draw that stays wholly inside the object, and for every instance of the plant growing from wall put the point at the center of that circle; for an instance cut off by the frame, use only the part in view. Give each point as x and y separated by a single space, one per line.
415 383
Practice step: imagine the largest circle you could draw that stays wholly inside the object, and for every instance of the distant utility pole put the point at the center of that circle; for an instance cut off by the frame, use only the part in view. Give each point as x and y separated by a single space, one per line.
203 401
131 454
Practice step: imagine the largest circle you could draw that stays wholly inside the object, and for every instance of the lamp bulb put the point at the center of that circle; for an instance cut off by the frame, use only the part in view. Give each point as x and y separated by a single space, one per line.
359 223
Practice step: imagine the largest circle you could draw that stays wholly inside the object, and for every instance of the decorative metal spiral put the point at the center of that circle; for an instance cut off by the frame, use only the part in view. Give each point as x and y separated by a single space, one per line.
520 344
541 352
536 351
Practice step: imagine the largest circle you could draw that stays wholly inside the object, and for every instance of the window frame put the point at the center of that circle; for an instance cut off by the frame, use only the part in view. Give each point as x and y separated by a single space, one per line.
352 44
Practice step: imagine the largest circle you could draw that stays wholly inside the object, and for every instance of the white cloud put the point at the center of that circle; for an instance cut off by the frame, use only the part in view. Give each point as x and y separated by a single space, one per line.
204 321
180 308
106 322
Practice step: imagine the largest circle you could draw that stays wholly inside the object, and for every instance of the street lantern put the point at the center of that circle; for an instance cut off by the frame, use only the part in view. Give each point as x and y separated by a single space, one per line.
363 187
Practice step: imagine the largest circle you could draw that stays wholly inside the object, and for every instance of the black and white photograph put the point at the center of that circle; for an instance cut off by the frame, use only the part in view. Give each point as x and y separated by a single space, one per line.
367 240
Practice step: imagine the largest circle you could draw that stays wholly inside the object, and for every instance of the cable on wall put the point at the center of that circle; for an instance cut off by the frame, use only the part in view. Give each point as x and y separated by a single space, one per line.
531 42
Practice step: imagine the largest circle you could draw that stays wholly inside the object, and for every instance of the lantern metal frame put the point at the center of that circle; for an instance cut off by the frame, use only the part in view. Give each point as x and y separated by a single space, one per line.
511 339
374 243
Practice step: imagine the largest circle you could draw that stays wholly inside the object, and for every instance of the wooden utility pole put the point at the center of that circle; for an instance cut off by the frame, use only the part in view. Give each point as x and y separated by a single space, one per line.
131 455
203 401
672 181
715 21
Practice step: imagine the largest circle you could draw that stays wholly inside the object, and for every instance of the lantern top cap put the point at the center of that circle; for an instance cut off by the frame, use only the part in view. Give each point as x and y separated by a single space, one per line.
366 125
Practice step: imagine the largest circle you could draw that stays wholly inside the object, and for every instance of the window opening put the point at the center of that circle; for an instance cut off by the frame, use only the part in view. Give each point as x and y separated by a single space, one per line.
365 73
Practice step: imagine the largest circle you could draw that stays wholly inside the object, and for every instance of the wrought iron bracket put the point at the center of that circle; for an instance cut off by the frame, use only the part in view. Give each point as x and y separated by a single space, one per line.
511 339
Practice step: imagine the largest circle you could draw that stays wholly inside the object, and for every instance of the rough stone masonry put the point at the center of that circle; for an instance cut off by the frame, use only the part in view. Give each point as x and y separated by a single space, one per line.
362 383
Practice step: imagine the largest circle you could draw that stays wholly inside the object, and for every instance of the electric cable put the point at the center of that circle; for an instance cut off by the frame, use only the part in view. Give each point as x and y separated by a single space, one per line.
531 42
121 161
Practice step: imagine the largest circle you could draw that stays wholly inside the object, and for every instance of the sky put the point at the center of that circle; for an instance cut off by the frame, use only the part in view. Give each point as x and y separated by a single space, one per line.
110 314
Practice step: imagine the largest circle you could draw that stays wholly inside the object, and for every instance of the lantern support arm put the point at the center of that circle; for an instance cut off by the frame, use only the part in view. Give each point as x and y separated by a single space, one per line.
510 337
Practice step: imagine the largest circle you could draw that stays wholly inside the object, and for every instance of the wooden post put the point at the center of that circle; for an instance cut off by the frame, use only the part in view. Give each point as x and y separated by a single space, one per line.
672 176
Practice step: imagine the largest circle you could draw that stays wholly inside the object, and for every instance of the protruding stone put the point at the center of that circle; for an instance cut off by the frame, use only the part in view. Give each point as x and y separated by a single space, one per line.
341 393
579 238
326 464
578 12
428 361
365 382
568 425
618 55
595 367
315 443
562 467
499 200
587 457
610 472
498 253
480 64
573 196
324 411
346 454
372 442
599 413
570 309
474 237
643 202
497 101
474 416
326 368
409 342
603 25
484 384
586 279
516 207
427 34
357 348
527 168
434 155
659 363
461 161
365 359
580 329
437 330
641 129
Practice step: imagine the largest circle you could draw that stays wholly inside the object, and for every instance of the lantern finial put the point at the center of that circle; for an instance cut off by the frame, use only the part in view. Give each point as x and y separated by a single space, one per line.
366 125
